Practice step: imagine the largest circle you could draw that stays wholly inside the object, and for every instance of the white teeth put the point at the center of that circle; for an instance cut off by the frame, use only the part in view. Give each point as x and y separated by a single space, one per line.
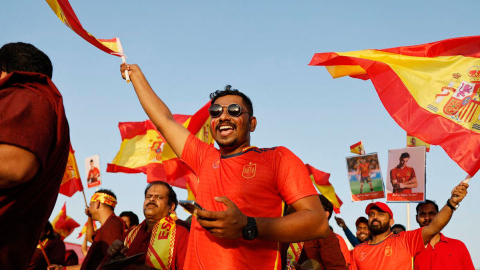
225 127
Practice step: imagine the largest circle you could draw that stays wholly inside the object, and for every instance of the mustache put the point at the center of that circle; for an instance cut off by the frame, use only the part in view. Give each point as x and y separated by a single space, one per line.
152 203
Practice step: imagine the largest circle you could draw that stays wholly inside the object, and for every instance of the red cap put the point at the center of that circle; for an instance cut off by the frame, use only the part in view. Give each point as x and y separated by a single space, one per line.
361 220
381 206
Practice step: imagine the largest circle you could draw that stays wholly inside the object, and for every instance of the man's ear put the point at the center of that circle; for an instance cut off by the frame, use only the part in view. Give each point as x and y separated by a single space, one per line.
253 123
172 208
392 221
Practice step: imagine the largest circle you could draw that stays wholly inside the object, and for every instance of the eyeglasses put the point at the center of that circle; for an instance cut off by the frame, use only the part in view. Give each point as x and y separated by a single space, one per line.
233 110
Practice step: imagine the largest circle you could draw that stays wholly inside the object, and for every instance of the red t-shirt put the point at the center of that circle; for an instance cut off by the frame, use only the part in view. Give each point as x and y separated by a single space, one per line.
142 240
258 181
402 175
364 169
396 252
344 248
110 231
448 254
31 117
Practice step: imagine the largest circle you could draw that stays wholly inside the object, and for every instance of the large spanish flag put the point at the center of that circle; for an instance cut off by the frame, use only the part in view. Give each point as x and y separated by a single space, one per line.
65 13
144 149
71 182
321 181
63 224
430 90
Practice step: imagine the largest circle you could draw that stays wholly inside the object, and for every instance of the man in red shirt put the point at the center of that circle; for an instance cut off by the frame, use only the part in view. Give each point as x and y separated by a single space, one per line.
161 240
363 170
442 252
403 177
395 251
93 174
34 144
243 187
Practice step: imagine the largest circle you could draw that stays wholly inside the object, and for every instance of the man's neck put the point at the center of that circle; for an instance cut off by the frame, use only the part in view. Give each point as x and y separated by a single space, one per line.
379 237
226 151
104 216
435 240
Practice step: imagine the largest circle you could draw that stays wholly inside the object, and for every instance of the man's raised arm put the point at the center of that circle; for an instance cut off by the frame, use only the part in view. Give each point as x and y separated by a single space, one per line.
443 217
174 133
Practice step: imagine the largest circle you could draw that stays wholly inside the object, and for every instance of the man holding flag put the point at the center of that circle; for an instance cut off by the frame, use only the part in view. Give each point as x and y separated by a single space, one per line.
244 187
34 145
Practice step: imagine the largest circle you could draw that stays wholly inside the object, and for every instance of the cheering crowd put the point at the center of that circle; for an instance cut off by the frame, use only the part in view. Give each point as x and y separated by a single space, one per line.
260 209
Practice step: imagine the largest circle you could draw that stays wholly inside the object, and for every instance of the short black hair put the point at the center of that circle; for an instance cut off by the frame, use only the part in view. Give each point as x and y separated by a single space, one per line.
327 205
399 226
21 56
109 192
425 203
172 196
404 155
229 91
131 216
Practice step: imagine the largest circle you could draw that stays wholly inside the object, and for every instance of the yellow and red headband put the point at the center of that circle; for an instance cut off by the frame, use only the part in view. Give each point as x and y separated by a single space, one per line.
104 198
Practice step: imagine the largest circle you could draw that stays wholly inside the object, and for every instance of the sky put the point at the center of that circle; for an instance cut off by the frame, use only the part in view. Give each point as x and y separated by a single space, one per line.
188 49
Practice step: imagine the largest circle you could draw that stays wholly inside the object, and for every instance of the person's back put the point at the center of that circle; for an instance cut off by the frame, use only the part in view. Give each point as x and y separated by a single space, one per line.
34 127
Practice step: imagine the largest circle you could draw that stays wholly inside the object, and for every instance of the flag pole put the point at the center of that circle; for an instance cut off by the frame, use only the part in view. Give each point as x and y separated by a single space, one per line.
85 198
43 251
120 48
408 216
467 179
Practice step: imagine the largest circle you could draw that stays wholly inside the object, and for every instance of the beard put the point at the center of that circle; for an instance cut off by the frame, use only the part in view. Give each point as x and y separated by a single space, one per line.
378 228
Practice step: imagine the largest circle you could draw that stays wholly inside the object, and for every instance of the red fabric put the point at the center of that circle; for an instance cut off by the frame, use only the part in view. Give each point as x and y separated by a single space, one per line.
64 225
402 175
258 181
325 251
448 254
55 250
70 183
364 169
110 231
344 248
31 117
75 248
394 253
141 241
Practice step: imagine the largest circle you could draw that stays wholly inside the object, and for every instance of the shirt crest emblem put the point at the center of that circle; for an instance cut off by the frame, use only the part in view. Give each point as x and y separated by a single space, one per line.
216 164
249 170
388 251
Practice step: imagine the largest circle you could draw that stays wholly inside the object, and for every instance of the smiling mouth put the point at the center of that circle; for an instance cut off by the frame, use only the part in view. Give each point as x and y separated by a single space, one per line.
225 130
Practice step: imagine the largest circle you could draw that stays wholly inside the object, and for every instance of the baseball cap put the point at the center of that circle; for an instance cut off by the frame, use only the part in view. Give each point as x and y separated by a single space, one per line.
361 220
381 206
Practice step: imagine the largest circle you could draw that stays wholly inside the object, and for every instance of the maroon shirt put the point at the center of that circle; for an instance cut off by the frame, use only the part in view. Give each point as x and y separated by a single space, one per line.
110 231
325 251
55 250
31 117
142 240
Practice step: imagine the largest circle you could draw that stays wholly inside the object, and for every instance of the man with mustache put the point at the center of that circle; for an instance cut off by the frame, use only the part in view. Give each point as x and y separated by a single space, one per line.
363 233
162 242
243 187
395 251
442 252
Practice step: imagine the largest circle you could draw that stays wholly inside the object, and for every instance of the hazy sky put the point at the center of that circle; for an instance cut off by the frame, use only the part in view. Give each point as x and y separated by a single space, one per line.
188 49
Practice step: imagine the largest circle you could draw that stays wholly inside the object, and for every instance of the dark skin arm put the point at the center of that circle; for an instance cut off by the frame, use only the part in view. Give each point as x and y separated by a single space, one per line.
306 223
17 165
174 133
443 217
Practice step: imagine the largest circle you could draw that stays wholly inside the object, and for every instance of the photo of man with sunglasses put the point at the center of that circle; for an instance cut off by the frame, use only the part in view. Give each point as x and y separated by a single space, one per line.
242 187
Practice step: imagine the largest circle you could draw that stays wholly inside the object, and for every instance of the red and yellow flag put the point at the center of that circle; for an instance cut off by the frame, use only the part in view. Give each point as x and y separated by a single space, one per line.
144 149
321 181
71 182
430 90
357 148
84 229
63 224
65 13
413 141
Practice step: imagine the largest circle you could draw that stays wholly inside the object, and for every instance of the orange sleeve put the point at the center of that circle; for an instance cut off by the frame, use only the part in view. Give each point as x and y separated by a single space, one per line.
413 241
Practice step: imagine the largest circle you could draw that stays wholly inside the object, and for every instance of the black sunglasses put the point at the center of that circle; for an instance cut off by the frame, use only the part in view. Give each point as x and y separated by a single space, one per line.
233 110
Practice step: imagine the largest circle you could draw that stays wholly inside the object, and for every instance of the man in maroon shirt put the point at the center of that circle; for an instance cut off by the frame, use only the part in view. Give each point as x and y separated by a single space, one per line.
54 249
165 240
34 144
101 208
